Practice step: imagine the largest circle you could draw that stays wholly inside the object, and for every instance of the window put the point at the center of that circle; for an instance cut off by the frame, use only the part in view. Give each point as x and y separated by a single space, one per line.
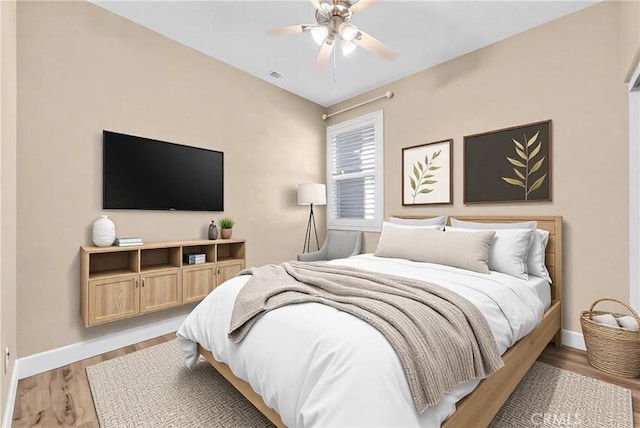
354 174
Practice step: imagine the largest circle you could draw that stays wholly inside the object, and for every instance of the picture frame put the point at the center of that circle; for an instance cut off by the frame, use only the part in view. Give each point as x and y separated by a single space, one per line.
508 165
427 174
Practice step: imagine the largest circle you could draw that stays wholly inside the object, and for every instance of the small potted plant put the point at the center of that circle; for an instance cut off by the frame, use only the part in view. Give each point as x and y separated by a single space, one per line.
226 226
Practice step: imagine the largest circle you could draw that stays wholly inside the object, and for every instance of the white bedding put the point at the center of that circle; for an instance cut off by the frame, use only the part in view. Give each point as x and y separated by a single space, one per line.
317 366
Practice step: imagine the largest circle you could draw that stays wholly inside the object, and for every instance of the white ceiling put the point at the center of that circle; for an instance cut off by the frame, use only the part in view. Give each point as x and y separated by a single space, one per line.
423 33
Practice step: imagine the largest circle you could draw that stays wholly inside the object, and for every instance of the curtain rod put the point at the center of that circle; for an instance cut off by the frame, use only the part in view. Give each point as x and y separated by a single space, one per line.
387 94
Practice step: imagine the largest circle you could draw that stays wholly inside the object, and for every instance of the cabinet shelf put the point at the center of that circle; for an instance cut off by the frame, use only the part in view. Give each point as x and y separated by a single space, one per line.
122 282
226 259
115 273
187 265
157 267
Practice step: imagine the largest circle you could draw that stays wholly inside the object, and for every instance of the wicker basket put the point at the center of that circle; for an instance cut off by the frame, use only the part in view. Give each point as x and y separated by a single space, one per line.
610 349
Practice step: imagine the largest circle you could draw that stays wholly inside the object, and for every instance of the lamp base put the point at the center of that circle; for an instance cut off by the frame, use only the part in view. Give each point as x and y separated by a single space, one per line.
311 224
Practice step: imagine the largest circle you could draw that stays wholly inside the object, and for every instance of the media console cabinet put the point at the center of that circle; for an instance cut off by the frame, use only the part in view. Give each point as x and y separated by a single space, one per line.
122 282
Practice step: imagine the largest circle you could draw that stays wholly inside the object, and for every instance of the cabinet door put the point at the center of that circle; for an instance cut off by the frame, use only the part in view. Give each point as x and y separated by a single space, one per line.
197 282
160 290
113 298
227 270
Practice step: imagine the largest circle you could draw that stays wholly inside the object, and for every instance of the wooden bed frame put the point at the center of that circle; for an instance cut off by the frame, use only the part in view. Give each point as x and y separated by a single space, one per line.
480 406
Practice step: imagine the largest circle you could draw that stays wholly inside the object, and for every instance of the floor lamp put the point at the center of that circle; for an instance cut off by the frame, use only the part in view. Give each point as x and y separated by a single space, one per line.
311 194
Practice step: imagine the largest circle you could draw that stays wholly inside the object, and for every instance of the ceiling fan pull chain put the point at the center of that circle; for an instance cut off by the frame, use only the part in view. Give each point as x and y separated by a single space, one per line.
334 66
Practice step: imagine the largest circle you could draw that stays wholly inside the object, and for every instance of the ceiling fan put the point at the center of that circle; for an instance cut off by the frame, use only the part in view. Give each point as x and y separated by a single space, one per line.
333 26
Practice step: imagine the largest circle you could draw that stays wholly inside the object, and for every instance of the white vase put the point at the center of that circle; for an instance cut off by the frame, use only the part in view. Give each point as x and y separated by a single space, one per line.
104 232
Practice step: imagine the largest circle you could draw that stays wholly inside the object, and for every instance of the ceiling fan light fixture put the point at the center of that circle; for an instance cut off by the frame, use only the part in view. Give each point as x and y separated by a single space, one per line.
347 47
326 7
333 25
319 34
348 31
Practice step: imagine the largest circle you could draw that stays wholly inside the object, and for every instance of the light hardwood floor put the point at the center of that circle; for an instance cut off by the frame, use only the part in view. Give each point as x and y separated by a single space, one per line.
62 397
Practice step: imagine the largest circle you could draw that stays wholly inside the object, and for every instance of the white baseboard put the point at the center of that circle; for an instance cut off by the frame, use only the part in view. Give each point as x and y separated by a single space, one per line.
573 340
48 360
44 361
11 398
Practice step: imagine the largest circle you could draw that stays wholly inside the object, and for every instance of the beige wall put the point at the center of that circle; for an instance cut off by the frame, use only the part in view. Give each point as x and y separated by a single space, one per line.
82 69
571 71
8 118
629 12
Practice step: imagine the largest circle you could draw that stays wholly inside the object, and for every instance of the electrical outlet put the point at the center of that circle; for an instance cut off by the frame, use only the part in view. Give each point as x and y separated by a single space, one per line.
6 359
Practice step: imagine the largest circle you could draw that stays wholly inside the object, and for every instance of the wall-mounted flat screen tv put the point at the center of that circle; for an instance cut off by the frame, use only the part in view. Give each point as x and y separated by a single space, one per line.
145 174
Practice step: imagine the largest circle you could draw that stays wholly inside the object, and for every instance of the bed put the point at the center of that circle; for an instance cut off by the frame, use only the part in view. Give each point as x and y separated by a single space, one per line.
472 410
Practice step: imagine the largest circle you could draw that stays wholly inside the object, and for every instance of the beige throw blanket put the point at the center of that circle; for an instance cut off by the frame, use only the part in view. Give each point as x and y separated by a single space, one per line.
441 338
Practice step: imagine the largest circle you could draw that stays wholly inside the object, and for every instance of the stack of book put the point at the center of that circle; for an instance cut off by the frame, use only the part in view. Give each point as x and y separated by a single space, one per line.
193 259
128 241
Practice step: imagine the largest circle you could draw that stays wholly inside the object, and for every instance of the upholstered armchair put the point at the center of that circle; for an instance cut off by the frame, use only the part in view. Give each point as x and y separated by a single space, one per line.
337 245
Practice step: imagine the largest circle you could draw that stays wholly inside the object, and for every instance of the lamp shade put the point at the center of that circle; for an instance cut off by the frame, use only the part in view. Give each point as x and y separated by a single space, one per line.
312 193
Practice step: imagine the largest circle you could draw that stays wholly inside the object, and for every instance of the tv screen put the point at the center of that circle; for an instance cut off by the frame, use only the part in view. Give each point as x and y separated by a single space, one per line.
144 174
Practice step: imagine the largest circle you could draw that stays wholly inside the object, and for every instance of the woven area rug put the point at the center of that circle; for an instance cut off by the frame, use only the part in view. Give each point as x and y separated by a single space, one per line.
552 397
153 388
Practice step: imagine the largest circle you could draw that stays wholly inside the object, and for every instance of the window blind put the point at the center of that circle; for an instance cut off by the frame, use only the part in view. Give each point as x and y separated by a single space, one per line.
354 167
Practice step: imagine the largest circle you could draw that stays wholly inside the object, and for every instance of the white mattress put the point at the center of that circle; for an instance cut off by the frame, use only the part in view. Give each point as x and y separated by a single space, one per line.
317 366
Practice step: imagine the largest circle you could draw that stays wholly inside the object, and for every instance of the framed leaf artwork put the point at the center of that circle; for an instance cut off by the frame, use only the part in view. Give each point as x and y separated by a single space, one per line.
426 174
508 165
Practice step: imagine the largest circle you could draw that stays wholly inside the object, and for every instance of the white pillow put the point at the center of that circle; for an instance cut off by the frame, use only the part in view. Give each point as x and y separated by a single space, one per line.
536 256
406 226
424 244
493 226
535 260
440 221
508 253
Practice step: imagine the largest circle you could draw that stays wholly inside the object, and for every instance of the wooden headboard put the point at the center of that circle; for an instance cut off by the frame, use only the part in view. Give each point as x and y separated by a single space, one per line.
553 256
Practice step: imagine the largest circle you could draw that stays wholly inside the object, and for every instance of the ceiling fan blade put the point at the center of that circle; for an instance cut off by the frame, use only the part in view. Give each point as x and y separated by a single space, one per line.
316 3
290 29
373 45
324 54
362 5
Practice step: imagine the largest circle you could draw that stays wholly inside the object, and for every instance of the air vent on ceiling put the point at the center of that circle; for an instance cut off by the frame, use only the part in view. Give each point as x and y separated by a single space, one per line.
276 74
